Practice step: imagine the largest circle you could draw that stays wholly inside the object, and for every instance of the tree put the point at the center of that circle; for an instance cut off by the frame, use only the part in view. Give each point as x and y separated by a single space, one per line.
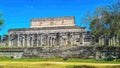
1 21
105 20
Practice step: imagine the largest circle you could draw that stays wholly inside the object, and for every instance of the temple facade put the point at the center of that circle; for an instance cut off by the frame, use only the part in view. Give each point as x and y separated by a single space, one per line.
49 32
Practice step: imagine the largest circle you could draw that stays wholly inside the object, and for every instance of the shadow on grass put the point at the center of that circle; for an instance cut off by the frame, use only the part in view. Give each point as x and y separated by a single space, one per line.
1 66
81 66
87 66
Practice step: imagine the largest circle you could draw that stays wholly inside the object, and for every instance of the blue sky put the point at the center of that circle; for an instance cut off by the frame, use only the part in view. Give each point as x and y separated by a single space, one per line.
17 13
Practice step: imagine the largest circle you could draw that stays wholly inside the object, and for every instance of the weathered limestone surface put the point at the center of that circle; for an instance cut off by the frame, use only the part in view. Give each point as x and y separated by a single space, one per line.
12 52
46 37
52 22
108 53
72 52
69 52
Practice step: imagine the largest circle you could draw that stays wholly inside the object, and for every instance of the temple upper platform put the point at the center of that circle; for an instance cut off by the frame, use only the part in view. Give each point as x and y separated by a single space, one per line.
53 22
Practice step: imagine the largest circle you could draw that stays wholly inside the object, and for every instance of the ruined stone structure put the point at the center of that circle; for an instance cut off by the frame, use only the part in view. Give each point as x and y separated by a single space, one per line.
55 37
49 32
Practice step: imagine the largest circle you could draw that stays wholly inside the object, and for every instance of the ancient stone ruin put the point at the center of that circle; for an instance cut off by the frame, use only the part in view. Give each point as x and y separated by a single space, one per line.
54 37
48 32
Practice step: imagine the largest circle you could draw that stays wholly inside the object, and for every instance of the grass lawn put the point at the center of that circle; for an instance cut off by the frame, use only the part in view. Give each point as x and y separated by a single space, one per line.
47 64
59 60
56 63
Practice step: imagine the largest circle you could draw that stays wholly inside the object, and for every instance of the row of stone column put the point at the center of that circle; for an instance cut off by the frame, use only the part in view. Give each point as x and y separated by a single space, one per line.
36 40
111 41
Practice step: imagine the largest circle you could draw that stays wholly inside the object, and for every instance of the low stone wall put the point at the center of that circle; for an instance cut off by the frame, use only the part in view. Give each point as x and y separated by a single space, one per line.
72 52
69 52
108 53
11 52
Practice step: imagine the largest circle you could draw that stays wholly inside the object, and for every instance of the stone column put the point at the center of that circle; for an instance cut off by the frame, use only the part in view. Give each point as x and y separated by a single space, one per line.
12 40
68 39
58 38
47 39
32 41
117 40
9 40
113 41
41 40
18 42
109 41
50 41
53 41
37 39
83 36
80 38
28 40
71 36
23 40
65 40
102 41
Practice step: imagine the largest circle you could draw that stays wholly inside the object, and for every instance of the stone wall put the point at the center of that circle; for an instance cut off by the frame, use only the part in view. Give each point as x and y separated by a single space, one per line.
71 52
108 53
12 52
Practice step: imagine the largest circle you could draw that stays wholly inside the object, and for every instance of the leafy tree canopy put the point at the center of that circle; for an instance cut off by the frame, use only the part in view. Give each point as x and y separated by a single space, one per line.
1 21
105 20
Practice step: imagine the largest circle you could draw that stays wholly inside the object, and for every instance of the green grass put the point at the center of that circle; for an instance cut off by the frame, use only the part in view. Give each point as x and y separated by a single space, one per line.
6 62
58 60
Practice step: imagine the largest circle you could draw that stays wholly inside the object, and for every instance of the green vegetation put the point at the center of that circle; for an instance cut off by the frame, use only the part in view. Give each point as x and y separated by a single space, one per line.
1 21
105 20
57 60
105 24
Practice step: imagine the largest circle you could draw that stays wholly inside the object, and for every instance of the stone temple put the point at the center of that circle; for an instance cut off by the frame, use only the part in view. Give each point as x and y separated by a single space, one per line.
48 32
54 37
